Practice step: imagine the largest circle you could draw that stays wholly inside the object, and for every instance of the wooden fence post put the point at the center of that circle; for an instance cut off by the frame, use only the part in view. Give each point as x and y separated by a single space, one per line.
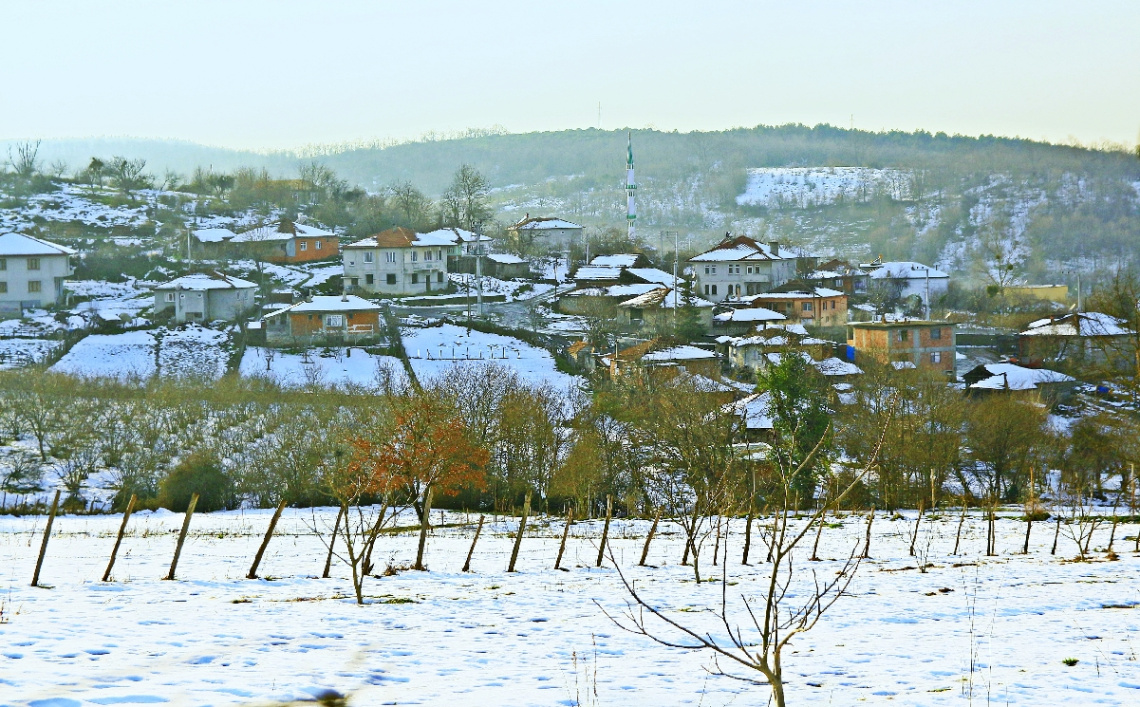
867 544
562 545
332 542
467 564
914 537
518 537
265 541
119 538
649 538
748 532
961 522
182 537
47 534
605 529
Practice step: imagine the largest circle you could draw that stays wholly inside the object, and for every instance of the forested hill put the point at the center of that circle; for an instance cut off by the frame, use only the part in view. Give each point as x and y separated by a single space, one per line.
964 203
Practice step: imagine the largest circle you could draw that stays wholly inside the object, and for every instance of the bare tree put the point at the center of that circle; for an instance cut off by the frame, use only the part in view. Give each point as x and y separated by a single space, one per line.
25 162
128 175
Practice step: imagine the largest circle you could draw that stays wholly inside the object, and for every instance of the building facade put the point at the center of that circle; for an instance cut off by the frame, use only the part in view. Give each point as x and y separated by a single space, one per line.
323 318
283 242
925 344
820 306
32 272
397 261
544 233
204 297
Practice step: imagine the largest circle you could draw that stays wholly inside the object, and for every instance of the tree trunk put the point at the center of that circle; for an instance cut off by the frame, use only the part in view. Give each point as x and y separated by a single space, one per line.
519 537
425 518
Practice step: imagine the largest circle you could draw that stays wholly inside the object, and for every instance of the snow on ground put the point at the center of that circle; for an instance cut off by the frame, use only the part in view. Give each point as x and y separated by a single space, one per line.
536 637
188 352
75 203
802 187
320 366
322 273
15 353
495 286
111 301
433 350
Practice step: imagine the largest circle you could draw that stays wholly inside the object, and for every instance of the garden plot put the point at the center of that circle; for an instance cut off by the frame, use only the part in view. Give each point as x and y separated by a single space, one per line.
970 630
111 301
434 350
320 366
187 352
16 353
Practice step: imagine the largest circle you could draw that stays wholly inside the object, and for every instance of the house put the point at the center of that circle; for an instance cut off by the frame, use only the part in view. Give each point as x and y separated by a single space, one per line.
544 232
744 320
663 362
205 297
741 266
1080 337
32 272
463 242
657 309
323 318
749 351
818 306
622 268
1010 378
286 242
601 301
210 243
505 266
839 275
919 343
397 261
904 280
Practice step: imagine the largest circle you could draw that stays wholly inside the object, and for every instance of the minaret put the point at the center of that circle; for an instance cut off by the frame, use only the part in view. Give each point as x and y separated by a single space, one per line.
630 187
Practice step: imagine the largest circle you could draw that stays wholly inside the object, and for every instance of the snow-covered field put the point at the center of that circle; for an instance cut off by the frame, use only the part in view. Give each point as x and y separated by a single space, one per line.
333 366
433 350
16 353
801 187
970 630
188 352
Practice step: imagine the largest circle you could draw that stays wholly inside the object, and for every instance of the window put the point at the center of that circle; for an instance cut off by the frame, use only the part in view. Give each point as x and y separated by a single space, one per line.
936 333
833 304
3 288
415 257
368 257
319 247
936 357
3 263
169 297
427 256
806 306
391 278
733 269
304 245
389 256
334 320
354 281
34 286
635 315
903 335
439 276
439 254
369 279
415 276
33 263
749 269
713 289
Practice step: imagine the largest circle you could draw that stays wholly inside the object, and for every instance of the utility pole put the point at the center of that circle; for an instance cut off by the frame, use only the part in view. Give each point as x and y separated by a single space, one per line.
478 225
927 294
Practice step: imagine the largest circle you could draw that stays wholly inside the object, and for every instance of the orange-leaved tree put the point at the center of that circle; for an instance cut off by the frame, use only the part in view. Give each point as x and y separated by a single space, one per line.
427 450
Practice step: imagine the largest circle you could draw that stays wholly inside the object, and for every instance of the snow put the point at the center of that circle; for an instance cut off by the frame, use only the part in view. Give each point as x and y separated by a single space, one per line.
213 235
654 275
734 253
190 351
620 260
12 244
434 350
71 203
339 367
1010 376
538 224
678 353
1078 324
111 301
906 270
505 258
803 187
331 303
969 628
203 281
19 352
750 314
590 272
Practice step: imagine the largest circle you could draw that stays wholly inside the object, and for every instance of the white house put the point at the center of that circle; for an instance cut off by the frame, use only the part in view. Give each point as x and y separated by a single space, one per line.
398 261
907 279
741 266
205 297
463 242
545 231
32 272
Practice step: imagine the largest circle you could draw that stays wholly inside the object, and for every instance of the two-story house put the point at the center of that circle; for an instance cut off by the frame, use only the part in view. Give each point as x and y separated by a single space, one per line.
741 266
924 344
281 242
32 272
397 261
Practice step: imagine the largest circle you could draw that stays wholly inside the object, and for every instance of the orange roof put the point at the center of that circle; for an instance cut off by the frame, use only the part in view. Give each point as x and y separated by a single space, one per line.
398 237
576 347
635 352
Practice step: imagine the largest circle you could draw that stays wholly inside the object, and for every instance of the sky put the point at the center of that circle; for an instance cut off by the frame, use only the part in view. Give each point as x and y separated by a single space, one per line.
280 74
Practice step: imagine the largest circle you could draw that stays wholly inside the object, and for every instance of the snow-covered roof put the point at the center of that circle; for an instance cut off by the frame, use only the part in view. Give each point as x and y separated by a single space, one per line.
901 365
837 367
750 314
206 281
281 231
213 235
1078 324
631 290
619 260
505 258
756 410
800 294
435 239
401 237
904 270
652 275
12 244
458 235
543 224
739 248
589 272
678 353
330 303
664 297
1010 376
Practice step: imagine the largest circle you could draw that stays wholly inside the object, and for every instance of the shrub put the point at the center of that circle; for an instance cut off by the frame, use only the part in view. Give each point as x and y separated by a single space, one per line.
201 472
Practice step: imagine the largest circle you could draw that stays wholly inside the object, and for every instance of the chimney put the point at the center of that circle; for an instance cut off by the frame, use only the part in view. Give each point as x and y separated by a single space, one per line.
775 246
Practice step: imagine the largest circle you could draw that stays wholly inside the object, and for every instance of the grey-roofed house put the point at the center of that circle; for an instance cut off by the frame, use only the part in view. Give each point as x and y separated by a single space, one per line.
205 297
32 272
741 266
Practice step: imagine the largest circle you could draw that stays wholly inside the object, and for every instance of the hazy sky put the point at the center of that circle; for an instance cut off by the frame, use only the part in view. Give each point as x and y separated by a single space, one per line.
281 73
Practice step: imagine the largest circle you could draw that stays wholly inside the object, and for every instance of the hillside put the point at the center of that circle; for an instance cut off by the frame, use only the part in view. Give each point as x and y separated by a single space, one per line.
962 203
